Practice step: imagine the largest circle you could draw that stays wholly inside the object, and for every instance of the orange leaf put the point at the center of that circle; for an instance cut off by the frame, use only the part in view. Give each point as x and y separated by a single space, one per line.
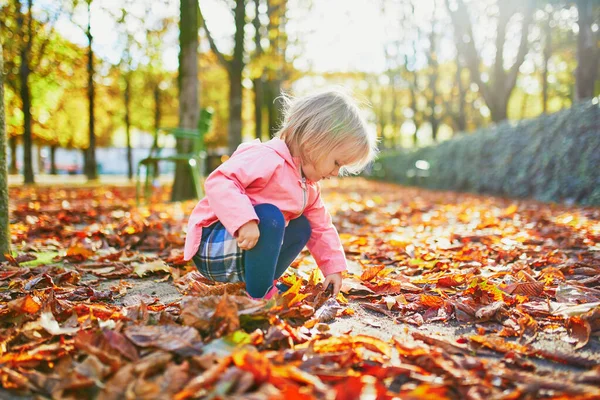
431 301
254 362
498 344
451 281
78 253
292 392
347 311
510 211
371 272
25 305
350 389
580 330
426 392
343 343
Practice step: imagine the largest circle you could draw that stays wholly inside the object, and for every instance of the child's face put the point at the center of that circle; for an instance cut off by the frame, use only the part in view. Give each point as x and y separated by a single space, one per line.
327 166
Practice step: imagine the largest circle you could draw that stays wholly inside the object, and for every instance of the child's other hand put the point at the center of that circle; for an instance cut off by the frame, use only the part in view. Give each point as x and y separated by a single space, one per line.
248 235
335 280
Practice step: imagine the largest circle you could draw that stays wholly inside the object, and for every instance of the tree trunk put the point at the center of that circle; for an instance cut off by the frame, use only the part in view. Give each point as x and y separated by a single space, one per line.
25 91
40 160
183 185
587 52
394 113
12 168
547 55
499 111
274 105
157 121
413 106
27 139
433 64
276 11
235 78
128 124
381 118
157 111
524 105
461 117
413 102
91 170
257 82
4 214
235 110
53 170
258 107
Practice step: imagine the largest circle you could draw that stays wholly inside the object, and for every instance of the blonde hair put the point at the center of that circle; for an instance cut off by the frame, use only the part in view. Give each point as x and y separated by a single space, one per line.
318 123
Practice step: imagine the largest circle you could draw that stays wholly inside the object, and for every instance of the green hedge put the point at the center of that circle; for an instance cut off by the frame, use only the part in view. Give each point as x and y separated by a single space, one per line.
553 158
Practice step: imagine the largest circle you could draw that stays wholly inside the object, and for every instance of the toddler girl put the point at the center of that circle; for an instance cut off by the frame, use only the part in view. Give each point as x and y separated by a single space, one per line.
263 205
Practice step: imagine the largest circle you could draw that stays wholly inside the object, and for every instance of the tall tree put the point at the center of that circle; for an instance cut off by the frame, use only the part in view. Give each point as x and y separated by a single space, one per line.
413 85
189 110
588 51
456 104
277 71
547 54
25 29
90 167
411 32
257 82
127 101
234 66
497 91
32 38
433 70
126 73
4 218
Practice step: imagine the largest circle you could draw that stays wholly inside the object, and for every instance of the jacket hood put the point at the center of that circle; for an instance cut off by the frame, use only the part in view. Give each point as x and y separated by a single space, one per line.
276 145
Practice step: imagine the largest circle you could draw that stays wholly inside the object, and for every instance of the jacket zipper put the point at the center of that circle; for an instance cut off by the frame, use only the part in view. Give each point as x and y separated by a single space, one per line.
303 185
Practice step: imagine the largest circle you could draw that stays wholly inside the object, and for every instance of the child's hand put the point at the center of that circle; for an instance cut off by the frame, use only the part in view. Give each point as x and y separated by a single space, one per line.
248 235
335 280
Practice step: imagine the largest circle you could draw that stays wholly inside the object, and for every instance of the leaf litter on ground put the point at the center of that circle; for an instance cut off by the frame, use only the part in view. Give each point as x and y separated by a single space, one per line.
512 269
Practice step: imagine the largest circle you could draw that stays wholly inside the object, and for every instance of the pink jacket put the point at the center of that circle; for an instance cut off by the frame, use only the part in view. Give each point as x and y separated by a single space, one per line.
265 173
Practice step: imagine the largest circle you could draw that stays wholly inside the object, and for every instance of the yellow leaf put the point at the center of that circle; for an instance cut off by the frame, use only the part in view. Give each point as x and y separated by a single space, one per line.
315 277
158 265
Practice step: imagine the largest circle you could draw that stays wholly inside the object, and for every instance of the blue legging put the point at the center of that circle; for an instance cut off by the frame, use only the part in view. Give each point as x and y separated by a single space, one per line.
275 250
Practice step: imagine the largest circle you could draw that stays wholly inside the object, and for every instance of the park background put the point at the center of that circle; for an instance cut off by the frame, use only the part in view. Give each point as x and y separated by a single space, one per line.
448 294
88 82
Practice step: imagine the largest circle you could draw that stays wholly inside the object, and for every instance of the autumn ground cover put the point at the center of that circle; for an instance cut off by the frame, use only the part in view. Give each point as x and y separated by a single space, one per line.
448 296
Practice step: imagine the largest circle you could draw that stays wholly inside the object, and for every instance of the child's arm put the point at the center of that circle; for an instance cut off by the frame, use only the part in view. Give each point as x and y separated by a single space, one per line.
324 243
226 187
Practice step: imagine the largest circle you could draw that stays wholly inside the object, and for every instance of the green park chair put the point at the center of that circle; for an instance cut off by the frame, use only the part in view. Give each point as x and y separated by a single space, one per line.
195 159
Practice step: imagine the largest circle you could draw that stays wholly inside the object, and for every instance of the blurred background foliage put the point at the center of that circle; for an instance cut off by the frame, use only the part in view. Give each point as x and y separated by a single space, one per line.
441 67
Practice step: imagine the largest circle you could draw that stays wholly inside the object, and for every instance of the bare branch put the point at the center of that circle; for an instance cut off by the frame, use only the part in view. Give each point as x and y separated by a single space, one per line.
213 46
463 27
523 47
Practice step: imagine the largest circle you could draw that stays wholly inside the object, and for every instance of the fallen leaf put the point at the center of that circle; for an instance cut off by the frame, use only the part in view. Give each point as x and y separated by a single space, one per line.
154 266
580 330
